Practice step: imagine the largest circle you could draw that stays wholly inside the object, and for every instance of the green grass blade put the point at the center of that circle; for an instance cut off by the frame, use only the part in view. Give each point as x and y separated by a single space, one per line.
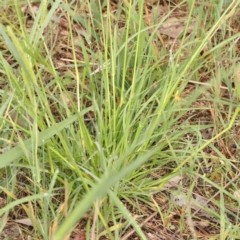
17 151
97 191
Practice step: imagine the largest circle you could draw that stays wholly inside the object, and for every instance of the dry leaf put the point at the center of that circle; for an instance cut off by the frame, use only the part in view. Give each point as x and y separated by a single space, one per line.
201 200
203 224
173 27
181 200
173 182
24 221
237 194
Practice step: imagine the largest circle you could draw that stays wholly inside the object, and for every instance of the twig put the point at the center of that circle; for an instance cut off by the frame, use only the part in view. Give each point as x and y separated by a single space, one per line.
208 201
207 84
129 233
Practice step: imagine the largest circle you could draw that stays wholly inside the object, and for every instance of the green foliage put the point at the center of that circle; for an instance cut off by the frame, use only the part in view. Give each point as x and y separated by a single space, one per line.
99 155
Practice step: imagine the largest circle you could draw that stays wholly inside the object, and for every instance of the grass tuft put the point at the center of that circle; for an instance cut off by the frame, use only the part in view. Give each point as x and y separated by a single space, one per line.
109 124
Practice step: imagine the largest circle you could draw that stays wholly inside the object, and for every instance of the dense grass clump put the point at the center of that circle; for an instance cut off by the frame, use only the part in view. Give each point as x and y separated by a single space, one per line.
117 115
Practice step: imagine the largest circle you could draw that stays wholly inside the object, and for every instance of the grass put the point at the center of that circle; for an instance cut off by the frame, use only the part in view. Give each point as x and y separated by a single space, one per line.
100 113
